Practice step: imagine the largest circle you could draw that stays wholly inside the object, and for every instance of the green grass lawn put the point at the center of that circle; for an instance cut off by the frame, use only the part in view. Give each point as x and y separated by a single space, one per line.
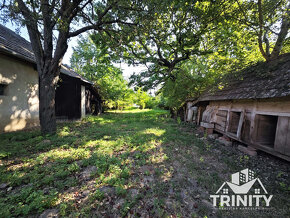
123 163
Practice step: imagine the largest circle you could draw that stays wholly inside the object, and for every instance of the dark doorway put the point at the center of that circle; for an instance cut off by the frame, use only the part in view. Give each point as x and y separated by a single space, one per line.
234 122
266 126
68 98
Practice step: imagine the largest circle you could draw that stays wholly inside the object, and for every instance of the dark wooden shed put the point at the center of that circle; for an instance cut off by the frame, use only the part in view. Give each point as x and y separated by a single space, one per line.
75 96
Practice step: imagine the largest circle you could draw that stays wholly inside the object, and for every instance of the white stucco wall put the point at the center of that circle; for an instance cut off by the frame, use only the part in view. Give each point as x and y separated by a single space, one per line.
20 103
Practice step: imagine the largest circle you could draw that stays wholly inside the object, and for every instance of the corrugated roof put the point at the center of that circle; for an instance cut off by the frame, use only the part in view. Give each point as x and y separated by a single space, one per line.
264 80
16 45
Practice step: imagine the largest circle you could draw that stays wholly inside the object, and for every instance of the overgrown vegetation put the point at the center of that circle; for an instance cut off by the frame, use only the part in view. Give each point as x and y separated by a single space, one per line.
123 163
165 36
94 61
188 47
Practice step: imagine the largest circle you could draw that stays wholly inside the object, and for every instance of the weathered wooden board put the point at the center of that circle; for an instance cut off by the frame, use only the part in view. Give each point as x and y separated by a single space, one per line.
260 125
189 115
207 125
282 142
222 113
218 127
279 106
234 122
221 121
241 121
245 135
287 147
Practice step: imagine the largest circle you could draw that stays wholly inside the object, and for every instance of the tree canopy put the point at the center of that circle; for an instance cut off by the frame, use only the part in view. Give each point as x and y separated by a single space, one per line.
266 20
188 46
95 62
185 45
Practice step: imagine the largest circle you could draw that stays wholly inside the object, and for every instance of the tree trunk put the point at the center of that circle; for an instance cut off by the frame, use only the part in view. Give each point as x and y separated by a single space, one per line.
282 34
47 103
180 113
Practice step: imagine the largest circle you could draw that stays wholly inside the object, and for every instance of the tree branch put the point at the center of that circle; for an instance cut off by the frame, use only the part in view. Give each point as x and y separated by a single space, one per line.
33 32
282 34
260 34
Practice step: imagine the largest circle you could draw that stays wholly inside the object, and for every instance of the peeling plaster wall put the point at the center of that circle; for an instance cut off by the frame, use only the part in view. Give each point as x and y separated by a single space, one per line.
19 106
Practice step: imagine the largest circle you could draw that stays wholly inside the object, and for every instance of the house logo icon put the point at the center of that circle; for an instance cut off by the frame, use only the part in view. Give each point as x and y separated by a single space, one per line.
244 189
242 182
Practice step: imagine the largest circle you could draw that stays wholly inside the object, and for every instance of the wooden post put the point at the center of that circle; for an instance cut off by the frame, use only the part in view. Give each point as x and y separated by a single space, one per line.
83 101
252 129
228 118
241 121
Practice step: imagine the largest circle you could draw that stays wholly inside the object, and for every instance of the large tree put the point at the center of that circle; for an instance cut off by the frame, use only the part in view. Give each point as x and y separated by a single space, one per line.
50 24
267 20
170 34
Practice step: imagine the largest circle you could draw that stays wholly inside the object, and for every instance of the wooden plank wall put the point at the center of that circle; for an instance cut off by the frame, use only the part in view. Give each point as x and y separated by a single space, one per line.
245 133
234 122
282 143
221 120
264 124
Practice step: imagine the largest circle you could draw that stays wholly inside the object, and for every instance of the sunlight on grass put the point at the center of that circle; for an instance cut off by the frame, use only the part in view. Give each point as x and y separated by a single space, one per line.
117 144
158 158
117 162
130 111
67 154
65 131
155 131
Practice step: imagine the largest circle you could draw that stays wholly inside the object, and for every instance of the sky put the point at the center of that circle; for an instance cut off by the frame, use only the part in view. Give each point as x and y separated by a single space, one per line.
127 70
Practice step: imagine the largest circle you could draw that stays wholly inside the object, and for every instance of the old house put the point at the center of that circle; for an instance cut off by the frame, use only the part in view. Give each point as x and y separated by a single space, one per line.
251 106
19 102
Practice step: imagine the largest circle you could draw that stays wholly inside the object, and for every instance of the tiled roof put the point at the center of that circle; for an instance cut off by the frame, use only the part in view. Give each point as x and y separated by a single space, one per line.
264 80
16 45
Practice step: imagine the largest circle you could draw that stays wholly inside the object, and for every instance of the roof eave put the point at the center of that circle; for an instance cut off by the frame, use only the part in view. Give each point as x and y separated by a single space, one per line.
17 55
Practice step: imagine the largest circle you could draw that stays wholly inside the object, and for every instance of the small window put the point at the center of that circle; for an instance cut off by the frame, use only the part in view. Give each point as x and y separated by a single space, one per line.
225 191
243 178
251 175
2 89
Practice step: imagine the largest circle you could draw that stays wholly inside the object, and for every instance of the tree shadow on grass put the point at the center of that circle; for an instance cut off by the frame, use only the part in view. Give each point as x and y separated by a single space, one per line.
128 156
145 164
48 159
20 144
